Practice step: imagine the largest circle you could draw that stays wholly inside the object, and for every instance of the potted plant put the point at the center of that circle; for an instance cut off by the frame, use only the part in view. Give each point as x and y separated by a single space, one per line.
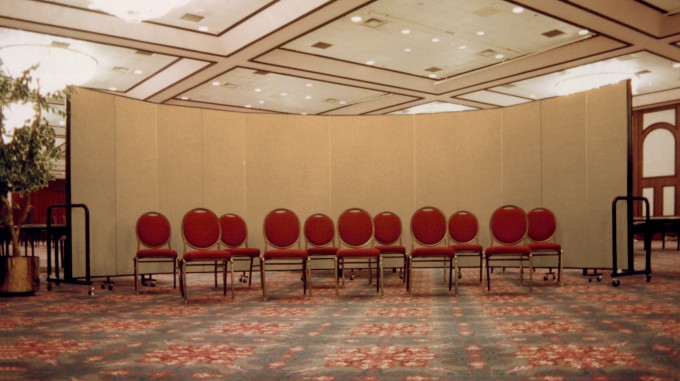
27 155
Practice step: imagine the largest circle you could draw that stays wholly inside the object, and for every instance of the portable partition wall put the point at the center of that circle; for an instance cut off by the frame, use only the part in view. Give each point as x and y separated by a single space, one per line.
568 154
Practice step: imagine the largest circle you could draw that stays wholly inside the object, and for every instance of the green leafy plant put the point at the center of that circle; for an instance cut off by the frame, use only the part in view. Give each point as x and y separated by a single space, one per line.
27 159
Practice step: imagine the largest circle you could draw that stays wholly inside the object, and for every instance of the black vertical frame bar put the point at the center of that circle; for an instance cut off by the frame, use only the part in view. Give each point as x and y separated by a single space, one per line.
629 178
68 263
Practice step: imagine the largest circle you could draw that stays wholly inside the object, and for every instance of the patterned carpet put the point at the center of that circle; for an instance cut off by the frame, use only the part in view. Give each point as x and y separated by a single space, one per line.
581 331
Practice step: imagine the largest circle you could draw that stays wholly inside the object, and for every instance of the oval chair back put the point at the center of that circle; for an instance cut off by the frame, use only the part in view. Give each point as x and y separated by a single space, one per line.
463 227
319 230
387 228
542 225
234 231
355 228
428 226
200 228
281 229
508 225
153 230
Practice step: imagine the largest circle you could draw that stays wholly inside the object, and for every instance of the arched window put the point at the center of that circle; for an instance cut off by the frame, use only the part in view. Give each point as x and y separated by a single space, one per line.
658 153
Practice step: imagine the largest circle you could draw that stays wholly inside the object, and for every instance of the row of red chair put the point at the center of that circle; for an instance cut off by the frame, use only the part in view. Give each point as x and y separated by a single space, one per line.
362 240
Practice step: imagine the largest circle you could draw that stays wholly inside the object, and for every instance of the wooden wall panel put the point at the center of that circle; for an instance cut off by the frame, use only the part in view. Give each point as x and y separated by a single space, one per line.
136 175
372 165
287 166
180 165
93 164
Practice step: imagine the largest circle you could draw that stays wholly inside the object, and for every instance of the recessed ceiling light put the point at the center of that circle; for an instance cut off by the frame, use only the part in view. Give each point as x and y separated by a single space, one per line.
356 18
248 106
138 71
433 76
517 10
407 50
62 122
303 113
185 98
258 90
203 28
113 89
309 85
260 102
676 65
435 39
308 97
216 83
462 47
343 102
405 31
532 96
370 62
283 94
583 32
480 33
499 56
92 6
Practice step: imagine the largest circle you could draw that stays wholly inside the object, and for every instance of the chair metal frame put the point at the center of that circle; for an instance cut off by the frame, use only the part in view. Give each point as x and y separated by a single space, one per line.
512 249
466 245
319 232
239 246
544 243
389 241
147 251
204 254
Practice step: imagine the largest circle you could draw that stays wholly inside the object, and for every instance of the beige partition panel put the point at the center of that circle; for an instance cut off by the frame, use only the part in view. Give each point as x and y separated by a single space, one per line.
93 166
567 154
136 173
287 166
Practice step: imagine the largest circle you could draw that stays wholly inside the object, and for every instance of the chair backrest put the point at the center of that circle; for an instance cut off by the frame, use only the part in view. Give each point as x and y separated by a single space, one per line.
428 226
387 228
319 230
234 231
508 225
542 225
281 229
463 227
355 228
153 230
200 229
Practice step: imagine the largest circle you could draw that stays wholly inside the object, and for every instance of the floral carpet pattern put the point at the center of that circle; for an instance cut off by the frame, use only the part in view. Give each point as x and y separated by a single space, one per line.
584 330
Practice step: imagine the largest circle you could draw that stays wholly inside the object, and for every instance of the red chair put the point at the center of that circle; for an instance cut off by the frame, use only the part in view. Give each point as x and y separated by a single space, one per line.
153 245
201 234
320 239
282 246
355 229
234 237
388 239
508 227
428 230
542 238
463 237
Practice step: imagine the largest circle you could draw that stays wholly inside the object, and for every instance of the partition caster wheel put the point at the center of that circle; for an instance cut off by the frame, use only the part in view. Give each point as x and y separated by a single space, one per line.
351 276
153 284
648 278
590 280
545 277
616 283
103 285
49 286
90 291
111 287
599 278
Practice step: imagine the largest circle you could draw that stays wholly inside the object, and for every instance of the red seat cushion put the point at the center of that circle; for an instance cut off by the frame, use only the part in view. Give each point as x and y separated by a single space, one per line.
433 252
156 253
508 250
544 246
207 255
468 247
250 252
392 249
285 254
325 250
358 253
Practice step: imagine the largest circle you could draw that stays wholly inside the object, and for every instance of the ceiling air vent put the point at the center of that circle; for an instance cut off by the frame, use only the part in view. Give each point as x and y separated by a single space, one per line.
57 44
641 72
229 85
191 17
322 45
374 22
261 72
121 69
433 69
488 53
553 33
486 11
144 53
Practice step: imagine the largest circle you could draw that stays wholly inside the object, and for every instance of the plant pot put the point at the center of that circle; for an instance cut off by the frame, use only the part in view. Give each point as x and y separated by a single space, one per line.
19 275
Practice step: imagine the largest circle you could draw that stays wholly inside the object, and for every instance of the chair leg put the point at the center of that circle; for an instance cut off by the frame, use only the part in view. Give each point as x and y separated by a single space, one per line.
250 273
409 283
308 265
488 275
174 273
224 278
304 277
559 267
481 267
531 270
231 272
136 286
263 269
455 270
184 281
380 279
337 276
